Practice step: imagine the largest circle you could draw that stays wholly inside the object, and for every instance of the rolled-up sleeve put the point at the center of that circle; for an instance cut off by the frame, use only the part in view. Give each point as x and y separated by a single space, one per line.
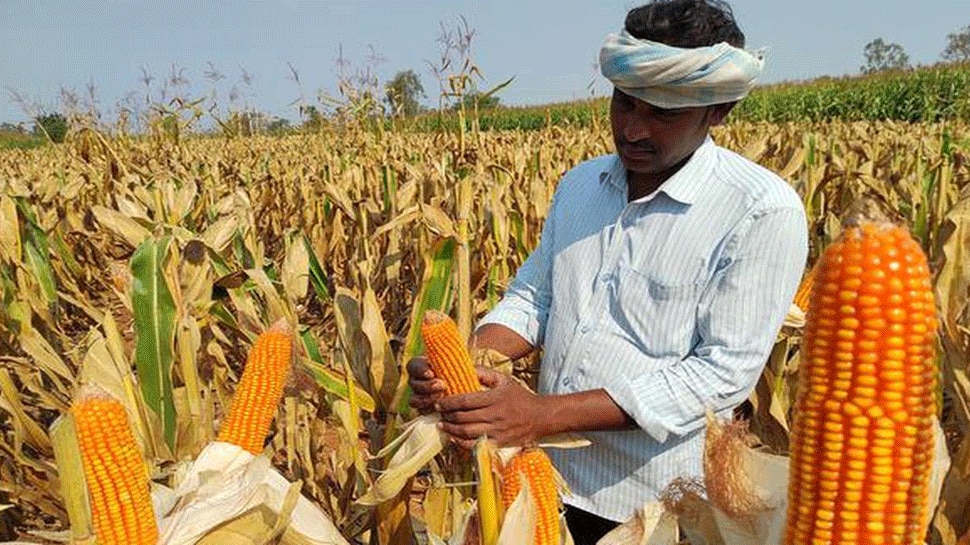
739 316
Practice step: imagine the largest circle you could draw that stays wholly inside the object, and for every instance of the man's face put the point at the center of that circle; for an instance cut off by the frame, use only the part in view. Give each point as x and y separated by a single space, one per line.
655 141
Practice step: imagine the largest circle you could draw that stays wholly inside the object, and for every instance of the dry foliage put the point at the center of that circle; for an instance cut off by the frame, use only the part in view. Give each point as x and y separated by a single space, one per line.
351 236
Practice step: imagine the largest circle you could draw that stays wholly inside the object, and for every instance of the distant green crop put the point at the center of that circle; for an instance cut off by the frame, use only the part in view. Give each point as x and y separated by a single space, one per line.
13 140
933 93
928 94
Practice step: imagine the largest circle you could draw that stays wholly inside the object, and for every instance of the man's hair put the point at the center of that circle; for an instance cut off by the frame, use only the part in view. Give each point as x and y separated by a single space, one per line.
685 23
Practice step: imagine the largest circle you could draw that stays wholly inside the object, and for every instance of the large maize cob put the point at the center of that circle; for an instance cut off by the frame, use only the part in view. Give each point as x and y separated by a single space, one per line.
862 439
447 354
260 389
532 465
116 476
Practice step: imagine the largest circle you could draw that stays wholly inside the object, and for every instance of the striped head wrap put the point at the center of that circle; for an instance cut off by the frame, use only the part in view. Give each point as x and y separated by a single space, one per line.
674 77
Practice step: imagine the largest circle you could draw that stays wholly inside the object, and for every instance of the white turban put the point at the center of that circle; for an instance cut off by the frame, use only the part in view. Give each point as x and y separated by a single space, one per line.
674 77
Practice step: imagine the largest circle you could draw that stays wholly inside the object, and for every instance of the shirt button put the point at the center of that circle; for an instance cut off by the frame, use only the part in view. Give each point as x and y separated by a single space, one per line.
604 278
566 381
584 328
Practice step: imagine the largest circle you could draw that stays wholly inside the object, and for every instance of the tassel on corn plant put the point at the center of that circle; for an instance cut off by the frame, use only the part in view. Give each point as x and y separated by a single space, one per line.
260 389
862 440
116 476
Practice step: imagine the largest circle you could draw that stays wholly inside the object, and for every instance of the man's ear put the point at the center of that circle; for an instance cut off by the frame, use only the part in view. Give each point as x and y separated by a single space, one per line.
718 112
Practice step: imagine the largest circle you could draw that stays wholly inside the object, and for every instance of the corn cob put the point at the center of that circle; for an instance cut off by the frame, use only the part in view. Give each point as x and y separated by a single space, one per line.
862 438
447 354
534 465
260 389
117 479
805 289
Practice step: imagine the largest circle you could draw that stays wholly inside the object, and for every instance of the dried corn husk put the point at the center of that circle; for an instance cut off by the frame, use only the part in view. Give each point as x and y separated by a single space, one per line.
242 498
652 525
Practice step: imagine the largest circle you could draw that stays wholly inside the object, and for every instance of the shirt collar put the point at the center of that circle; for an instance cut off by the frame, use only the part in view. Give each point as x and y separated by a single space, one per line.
685 186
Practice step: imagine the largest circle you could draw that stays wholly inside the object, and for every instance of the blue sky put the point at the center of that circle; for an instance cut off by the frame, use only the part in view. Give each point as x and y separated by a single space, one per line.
548 45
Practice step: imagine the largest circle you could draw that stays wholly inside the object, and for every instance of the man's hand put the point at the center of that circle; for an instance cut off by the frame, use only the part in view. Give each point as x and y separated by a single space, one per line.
506 412
426 389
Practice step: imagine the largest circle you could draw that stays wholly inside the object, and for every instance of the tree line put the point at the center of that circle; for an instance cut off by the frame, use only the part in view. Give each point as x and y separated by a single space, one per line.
881 55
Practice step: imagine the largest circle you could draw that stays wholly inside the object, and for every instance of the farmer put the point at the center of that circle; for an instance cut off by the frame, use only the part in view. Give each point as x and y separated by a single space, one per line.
662 276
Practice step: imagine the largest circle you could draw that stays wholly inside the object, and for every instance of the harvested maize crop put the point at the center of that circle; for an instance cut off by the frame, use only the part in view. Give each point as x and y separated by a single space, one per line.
533 468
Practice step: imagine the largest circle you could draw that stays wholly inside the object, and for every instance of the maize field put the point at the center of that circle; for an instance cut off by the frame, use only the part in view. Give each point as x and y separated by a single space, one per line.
150 266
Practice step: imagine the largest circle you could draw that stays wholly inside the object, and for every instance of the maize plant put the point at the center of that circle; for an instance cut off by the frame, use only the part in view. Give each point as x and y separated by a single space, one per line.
862 441
421 440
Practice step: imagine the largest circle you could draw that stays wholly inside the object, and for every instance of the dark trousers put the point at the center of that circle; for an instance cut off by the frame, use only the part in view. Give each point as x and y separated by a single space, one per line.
587 528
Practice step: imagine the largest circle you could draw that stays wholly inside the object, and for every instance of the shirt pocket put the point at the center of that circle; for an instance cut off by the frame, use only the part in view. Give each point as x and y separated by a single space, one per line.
659 313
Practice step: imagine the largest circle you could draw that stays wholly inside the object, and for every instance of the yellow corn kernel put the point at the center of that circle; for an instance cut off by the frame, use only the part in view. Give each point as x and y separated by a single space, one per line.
448 354
260 389
116 476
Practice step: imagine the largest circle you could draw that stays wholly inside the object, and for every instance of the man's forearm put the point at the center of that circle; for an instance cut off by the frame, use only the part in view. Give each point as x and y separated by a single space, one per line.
592 410
501 339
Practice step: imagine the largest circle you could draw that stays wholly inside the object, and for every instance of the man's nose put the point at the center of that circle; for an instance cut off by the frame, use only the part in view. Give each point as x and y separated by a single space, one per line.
637 128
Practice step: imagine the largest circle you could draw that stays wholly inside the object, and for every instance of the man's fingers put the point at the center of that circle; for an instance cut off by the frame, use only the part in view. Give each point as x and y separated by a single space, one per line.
462 431
428 387
418 368
464 402
465 417
489 378
467 444
422 404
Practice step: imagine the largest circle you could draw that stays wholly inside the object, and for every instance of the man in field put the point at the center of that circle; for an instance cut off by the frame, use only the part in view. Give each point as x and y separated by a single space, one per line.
661 279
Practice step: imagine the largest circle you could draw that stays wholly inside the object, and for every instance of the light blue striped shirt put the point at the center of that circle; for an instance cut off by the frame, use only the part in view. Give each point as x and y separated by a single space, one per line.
670 302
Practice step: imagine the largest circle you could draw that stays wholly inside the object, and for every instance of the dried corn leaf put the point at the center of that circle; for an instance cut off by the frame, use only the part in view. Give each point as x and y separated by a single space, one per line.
120 225
73 487
295 271
418 443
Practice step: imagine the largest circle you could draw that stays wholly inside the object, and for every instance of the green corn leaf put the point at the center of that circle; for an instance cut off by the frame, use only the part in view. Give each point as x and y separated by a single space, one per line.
37 253
155 318
318 277
331 381
435 293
